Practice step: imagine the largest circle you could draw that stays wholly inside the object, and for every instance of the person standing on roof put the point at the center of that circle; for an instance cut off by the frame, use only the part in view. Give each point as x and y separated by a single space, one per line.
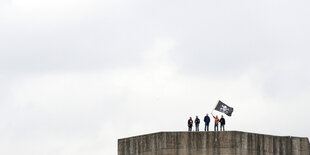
207 121
190 124
222 121
216 123
197 122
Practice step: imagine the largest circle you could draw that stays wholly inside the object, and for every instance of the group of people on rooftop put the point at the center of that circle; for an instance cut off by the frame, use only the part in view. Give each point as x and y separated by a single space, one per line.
207 122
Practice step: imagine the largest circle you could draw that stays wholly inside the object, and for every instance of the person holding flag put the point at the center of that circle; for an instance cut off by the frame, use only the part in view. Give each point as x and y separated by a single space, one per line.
216 123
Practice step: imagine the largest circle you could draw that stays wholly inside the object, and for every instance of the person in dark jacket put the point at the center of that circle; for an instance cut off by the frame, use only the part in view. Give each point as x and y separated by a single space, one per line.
222 121
197 122
190 124
207 121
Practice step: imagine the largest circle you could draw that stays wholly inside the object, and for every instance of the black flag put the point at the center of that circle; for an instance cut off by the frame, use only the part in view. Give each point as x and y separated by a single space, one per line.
222 107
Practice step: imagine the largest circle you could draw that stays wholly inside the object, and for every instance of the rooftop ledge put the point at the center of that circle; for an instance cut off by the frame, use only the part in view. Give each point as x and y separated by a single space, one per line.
219 132
213 143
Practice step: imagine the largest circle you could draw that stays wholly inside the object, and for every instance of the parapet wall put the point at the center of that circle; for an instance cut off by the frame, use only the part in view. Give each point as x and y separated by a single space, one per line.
212 143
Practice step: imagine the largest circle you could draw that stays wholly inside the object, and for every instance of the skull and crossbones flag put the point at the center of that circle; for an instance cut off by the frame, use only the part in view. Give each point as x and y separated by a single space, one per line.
222 107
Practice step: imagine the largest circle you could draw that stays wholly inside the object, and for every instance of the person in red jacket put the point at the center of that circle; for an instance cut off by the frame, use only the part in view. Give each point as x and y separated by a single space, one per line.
216 123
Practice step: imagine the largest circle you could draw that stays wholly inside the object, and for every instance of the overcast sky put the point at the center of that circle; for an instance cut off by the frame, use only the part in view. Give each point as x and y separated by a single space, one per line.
76 75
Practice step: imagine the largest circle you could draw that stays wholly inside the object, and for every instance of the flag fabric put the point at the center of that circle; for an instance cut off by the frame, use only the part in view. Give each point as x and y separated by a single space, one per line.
222 107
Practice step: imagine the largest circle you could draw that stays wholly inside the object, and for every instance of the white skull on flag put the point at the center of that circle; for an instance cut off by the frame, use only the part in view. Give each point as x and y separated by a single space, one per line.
224 109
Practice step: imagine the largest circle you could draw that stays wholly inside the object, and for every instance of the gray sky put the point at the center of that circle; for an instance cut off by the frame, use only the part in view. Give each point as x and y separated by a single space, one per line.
76 75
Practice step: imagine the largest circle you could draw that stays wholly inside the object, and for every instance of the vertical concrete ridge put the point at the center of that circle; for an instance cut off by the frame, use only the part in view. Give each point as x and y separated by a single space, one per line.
213 143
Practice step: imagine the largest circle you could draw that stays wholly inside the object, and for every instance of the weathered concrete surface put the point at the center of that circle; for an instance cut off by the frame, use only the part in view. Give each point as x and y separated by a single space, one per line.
212 143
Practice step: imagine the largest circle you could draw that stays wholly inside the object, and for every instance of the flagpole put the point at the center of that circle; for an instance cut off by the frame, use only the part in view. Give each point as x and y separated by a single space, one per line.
216 103
214 107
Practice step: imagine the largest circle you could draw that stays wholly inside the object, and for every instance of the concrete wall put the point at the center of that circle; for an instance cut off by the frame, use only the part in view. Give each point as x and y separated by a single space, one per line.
212 143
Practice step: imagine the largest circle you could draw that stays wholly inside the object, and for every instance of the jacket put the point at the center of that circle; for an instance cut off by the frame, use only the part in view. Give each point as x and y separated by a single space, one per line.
216 120
222 121
190 123
197 121
206 119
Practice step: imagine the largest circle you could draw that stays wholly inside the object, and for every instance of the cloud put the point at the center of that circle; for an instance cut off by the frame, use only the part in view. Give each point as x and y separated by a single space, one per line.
77 75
